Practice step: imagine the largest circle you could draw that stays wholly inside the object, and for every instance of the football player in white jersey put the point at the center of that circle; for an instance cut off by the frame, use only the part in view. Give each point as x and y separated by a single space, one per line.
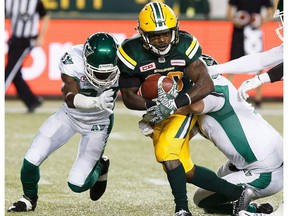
254 149
90 87
258 61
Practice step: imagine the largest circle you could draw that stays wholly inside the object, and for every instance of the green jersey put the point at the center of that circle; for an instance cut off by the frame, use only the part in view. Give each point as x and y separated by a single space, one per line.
134 60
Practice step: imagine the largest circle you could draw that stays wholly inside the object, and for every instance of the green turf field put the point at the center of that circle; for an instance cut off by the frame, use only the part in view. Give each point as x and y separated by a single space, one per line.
137 185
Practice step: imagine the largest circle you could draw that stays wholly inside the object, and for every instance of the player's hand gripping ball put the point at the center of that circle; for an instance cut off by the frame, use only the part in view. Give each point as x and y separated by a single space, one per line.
149 88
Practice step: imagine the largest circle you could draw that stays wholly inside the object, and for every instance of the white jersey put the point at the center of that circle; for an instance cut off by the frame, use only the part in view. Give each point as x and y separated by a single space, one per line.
241 133
72 64
250 63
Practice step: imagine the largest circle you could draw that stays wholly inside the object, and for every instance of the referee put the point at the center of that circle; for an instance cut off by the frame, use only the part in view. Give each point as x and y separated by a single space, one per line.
25 19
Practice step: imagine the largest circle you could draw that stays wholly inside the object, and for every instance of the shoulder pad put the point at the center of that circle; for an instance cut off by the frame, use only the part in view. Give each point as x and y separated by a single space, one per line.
190 45
72 61
208 60
128 50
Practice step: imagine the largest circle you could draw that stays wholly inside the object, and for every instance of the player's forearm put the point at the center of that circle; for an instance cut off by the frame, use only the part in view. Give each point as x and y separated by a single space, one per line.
200 90
276 73
250 63
133 101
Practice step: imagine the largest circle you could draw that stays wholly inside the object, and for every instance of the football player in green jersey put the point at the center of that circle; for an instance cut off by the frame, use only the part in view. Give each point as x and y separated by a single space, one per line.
162 48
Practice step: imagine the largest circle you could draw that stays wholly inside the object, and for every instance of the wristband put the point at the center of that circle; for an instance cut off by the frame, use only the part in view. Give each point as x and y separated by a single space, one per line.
83 102
264 78
182 100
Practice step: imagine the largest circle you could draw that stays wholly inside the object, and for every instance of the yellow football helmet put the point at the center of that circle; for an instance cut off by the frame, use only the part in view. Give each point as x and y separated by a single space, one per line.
157 18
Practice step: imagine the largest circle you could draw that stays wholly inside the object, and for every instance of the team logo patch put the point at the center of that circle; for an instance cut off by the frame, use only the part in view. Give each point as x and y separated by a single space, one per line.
97 127
66 59
148 67
83 79
161 59
178 62
88 50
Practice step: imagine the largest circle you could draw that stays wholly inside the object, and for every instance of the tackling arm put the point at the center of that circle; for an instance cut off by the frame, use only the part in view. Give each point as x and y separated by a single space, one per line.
197 72
250 63
273 75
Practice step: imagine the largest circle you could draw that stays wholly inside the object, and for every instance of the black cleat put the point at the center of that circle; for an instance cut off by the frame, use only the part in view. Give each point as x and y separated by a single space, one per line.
183 213
98 189
243 201
265 208
24 204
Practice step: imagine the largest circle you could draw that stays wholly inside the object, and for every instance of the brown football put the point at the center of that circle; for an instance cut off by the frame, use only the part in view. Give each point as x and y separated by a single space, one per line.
149 88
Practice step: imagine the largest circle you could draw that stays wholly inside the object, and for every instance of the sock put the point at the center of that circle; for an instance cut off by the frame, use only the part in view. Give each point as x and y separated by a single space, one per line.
30 175
177 180
216 204
208 180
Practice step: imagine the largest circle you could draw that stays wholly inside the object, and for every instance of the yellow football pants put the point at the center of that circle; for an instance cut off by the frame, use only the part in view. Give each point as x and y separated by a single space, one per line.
171 139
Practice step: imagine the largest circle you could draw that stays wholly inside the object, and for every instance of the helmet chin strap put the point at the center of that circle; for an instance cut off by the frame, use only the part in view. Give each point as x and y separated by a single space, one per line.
157 51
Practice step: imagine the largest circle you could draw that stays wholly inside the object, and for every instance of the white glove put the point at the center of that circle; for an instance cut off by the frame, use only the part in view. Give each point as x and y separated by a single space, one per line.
145 128
248 85
104 101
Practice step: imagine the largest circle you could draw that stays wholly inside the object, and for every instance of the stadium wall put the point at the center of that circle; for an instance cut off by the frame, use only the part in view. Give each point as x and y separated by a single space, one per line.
41 66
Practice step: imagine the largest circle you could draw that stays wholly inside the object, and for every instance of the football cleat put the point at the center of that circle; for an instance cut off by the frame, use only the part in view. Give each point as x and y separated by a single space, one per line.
265 208
98 189
183 212
23 204
243 201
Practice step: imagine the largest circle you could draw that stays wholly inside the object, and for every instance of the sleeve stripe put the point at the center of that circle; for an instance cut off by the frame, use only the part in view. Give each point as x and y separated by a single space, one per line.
129 62
190 52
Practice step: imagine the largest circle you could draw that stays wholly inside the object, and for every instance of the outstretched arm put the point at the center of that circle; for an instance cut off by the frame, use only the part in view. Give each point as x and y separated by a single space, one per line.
250 63
273 75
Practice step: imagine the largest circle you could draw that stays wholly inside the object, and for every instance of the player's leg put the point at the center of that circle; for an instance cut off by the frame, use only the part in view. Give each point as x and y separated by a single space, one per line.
169 138
225 191
91 168
51 135
263 185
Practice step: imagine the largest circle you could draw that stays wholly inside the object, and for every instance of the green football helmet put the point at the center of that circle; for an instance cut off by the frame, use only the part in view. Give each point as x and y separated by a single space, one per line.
279 15
100 60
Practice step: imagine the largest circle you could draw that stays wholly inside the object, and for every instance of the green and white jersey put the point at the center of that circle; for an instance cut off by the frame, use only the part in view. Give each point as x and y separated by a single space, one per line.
72 64
134 60
241 133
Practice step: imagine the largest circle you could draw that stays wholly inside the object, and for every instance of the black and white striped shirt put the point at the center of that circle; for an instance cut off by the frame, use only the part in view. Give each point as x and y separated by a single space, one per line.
24 15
